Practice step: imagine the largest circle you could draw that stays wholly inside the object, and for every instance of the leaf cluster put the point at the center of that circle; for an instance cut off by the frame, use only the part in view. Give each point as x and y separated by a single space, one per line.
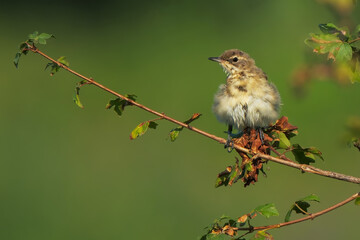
77 93
33 39
227 228
301 206
142 128
340 45
174 133
277 137
55 67
119 104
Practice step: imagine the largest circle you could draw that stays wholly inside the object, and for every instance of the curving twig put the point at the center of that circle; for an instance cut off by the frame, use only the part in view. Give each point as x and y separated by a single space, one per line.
286 162
309 217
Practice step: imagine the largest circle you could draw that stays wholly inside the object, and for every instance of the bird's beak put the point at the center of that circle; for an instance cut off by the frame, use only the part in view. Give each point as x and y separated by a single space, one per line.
215 59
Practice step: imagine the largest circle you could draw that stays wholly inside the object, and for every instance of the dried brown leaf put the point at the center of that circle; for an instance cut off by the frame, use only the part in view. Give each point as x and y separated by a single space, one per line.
243 218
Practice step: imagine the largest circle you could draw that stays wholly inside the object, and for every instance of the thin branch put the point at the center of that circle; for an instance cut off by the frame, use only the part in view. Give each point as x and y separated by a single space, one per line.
310 217
244 234
354 40
302 167
280 155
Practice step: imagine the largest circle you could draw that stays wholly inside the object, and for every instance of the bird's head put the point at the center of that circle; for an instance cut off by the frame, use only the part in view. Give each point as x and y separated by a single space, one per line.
234 61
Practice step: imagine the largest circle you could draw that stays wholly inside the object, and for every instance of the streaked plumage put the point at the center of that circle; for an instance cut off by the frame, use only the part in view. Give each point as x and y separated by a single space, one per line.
247 99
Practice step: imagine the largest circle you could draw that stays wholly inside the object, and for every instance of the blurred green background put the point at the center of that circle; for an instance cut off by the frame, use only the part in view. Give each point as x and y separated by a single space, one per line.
68 173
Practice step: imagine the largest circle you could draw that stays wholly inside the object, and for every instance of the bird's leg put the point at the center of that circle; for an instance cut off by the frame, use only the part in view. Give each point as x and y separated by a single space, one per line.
229 142
237 135
261 135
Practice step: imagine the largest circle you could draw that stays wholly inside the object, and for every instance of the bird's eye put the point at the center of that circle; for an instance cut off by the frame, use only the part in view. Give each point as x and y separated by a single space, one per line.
235 59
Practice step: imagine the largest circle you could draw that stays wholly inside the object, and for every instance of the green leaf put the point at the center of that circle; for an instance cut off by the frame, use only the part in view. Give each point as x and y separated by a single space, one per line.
305 155
139 130
120 104
153 125
323 43
357 201
203 237
223 177
33 35
62 60
16 59
36 38
117 104
262 235
77 98
267 210
330 28
288 214
284 142
355 43
344 53
221 180
49 65
131 96
22 46
55 67
311 197
174 133
356 74
258 237
301 207
142 128
46 36
232 176
42 41
357 30
248 167
303 204
315 151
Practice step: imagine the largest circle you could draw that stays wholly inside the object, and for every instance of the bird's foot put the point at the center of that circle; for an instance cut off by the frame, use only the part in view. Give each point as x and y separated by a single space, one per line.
261 135
235 135
229 145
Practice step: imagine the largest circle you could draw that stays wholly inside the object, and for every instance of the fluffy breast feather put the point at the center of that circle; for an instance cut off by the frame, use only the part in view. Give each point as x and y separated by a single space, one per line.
247 109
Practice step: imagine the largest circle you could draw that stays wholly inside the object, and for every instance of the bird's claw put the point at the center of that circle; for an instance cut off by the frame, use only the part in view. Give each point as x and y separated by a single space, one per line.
261 135
229 145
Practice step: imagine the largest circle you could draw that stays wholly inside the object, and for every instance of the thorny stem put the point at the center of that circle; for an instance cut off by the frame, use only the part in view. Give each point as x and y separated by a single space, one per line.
309 217
302 167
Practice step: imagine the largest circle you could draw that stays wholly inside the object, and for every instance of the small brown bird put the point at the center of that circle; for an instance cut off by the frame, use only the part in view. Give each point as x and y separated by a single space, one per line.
247 99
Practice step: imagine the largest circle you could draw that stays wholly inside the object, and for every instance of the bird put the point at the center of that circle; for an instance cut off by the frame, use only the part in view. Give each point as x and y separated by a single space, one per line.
248 99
